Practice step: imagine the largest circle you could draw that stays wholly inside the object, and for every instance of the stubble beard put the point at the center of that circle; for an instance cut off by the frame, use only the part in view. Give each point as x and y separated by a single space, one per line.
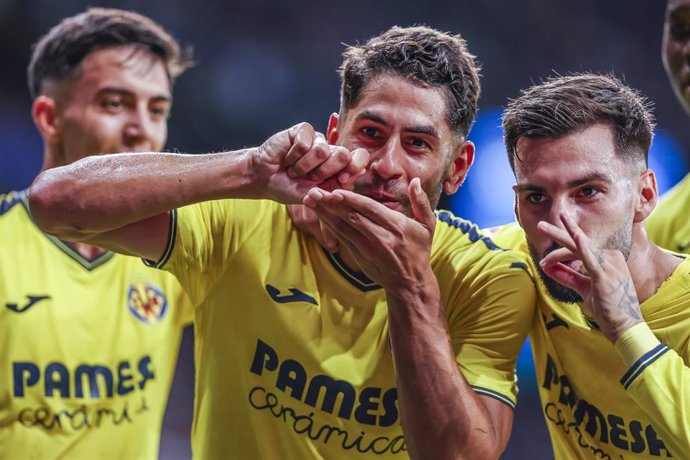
621 240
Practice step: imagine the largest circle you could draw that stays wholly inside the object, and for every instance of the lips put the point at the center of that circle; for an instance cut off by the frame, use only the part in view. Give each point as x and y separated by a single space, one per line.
575 265
387 199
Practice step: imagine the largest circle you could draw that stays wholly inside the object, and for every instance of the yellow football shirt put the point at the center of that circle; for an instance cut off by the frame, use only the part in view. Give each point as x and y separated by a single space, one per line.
595 405
87 347
292 349
669 224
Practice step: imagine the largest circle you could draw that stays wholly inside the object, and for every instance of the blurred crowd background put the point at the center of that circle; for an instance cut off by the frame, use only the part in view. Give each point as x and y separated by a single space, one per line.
265 65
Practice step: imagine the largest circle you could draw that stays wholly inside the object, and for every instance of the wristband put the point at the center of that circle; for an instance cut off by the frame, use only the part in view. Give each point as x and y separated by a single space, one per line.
635 342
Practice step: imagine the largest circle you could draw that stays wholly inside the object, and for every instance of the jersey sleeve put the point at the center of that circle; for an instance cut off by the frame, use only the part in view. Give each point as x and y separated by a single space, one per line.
490 299
658 380
488 336
205 237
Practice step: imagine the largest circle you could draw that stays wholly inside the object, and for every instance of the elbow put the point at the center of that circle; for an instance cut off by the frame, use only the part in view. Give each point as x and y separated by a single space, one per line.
479 444
486 449
48 203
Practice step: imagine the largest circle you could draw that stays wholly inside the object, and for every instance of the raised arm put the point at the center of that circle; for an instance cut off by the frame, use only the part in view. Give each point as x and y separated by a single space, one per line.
121 201
442 416
658 378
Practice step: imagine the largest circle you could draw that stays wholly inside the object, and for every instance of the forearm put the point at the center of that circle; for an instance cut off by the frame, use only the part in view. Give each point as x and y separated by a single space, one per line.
99 194
659 381
441 414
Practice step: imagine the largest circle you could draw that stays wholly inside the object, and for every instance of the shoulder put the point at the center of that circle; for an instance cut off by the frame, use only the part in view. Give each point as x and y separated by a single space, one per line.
472 256
10 201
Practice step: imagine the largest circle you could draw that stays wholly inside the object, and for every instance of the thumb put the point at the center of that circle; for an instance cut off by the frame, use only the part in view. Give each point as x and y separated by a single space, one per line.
421 208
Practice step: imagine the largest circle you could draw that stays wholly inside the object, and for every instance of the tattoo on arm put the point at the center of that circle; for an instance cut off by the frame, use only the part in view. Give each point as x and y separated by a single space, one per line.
628 302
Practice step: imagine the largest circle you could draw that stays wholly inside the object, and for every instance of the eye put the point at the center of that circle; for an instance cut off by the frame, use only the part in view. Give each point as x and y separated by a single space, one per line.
535 197
160 111
371 132
112 103
588 192
680 30
419 143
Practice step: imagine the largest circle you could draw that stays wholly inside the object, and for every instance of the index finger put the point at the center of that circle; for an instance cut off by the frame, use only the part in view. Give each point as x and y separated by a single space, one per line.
583 246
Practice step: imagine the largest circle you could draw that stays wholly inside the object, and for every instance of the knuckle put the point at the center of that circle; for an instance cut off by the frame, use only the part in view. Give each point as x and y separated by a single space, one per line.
321 151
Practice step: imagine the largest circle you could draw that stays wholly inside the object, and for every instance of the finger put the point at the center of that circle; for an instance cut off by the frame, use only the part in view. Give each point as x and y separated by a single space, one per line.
318 153
559 255
371 209
421 208
338 159
330 240
306 221
302 138
583 245
343 221
359 160
559 235
567 276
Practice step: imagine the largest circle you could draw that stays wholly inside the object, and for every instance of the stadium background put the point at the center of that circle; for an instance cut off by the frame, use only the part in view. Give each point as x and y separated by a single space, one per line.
264 65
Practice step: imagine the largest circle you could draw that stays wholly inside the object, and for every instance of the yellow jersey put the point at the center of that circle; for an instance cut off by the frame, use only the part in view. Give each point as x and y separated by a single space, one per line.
669 225
87 347
596 405
292 349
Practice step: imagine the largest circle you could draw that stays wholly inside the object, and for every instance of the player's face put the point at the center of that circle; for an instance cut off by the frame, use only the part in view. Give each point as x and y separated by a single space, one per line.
403 127
579 175
675 50
119 102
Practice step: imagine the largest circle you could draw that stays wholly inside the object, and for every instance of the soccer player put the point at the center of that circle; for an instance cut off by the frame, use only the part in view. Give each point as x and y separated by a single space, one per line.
669 226
403 343
88 338
613 315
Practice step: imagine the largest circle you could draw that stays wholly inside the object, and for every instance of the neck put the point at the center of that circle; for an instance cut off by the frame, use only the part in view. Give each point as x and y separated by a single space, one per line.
349 260
648 264
87 251
52 157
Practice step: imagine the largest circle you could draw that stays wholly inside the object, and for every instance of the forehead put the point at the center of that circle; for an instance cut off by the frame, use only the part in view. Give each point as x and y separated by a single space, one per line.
126 68
399 101
591 151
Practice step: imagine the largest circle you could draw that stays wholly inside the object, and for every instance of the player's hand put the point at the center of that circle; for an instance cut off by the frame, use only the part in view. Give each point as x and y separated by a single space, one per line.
306 220
604 281
293 161
391 248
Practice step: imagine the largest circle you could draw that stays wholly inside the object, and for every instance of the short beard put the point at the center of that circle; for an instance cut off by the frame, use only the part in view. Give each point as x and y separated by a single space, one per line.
620 240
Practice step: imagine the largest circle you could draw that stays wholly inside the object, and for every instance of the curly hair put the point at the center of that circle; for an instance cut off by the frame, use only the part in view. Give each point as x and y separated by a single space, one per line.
422 55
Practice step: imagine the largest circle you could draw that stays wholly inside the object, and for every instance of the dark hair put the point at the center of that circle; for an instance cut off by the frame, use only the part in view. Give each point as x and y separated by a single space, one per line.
60 52
423 55
566 104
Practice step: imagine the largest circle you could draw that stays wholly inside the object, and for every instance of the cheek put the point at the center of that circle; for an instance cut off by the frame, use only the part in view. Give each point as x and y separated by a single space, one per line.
673 57
159 137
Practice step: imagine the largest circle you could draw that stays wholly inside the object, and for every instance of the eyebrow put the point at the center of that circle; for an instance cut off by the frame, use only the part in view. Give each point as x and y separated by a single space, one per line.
128 93
419 129
594 177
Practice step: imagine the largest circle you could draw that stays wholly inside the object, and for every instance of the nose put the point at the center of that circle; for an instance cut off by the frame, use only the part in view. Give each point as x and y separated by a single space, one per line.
140 131
560 206
386 162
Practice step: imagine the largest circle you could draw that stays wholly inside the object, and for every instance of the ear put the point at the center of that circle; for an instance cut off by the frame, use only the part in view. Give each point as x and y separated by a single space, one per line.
332 131
647 196
457 170
44 113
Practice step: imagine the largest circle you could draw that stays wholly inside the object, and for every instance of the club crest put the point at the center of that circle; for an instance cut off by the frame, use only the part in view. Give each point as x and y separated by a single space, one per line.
146 302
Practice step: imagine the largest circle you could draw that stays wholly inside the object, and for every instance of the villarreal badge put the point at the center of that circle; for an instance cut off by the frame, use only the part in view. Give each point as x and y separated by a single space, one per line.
146 302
